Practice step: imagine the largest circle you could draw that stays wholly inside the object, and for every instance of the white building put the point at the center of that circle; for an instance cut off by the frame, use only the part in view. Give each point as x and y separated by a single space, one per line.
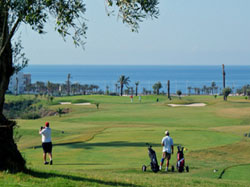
18 83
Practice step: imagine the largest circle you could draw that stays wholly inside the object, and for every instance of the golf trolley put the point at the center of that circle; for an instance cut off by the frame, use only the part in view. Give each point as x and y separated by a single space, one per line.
152 155
180 165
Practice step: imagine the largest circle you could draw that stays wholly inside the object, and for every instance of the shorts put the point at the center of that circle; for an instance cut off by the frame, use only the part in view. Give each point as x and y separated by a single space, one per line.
166 155
47 147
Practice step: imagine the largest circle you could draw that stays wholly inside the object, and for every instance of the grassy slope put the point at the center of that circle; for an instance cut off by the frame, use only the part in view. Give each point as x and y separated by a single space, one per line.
107 146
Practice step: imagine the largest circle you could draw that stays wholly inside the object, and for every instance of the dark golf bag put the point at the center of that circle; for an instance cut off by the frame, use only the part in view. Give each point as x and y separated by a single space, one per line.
152 155
180 165
154 164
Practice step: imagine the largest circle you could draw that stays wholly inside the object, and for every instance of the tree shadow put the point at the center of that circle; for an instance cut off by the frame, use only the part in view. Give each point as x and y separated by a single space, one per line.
75 164
86 145
44 175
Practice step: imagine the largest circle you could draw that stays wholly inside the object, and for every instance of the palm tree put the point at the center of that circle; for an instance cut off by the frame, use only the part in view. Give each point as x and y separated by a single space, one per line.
49 87
136 88
168 85
68 84
116 89
123 80
213 85
189 90
107 90
157 86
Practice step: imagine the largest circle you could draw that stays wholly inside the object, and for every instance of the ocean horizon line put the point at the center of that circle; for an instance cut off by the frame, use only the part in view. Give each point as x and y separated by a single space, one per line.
132 65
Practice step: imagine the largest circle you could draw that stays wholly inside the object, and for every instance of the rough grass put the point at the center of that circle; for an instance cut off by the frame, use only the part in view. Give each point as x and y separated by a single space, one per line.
106 146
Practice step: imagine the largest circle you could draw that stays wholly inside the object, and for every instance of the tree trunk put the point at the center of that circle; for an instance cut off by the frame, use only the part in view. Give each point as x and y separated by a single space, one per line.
10 158
169 97
224 79
121 89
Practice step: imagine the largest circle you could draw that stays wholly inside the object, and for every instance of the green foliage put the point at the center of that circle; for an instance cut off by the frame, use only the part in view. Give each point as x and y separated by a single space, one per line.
133 12
178 92
226 92
16 108
244 90
59 111
97 105
30 115
16 134
156 87
123 81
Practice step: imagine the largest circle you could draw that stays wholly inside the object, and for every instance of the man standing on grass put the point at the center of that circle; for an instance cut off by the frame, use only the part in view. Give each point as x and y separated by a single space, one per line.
168 148
46 142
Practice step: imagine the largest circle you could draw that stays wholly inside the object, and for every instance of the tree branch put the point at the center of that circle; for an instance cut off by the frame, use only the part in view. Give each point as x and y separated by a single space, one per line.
11 34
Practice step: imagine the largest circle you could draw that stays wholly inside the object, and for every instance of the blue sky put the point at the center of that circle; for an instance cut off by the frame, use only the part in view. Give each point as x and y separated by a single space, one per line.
187 32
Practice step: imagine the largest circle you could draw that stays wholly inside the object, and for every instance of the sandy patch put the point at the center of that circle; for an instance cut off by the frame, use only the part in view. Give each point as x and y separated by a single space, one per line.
65 103
69 103
190 105
82 104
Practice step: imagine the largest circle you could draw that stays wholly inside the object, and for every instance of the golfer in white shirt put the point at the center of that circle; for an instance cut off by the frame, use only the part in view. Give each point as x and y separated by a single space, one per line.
168 148
46 142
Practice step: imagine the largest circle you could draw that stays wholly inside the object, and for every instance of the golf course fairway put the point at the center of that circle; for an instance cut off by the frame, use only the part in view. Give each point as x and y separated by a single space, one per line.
107 146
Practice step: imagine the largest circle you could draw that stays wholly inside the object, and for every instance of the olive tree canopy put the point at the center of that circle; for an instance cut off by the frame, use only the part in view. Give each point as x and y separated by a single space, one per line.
69 20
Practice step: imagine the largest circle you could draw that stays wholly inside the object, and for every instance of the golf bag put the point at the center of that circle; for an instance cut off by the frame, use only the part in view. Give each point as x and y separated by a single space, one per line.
180 165
154 164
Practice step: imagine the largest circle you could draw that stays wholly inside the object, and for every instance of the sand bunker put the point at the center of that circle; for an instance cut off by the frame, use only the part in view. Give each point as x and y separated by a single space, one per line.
65 103
192 105
82 104
69 103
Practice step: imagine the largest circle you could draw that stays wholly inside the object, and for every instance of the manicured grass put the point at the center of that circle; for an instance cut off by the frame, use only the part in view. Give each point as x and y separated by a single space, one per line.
107 146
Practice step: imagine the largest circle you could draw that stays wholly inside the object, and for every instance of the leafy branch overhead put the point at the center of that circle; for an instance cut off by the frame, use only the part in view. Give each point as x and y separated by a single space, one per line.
132 12
68 15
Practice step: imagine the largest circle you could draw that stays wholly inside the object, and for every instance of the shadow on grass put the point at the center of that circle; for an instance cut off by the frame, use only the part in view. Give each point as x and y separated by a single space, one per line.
82 164
224 170
44 175
108 144
85 145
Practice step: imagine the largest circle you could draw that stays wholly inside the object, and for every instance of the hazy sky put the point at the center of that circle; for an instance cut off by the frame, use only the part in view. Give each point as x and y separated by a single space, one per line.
188 32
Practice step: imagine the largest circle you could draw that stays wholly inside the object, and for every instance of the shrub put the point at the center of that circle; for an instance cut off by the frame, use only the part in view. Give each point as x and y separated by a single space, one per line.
97 105
179 93
59 111
30 115
226 92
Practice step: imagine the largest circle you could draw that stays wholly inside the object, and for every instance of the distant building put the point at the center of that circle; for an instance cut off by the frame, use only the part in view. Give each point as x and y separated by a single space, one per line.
18 82
27 79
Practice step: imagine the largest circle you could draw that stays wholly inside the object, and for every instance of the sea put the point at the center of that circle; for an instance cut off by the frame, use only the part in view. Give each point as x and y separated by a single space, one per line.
181 77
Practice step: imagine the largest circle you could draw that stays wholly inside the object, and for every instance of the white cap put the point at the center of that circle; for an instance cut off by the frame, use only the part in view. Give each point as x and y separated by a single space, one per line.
166 132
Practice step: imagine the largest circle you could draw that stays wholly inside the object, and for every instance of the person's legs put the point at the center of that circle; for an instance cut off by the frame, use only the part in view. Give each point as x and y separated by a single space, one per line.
44 157
168 156
44 153
50 153
162 160
50 157
167 163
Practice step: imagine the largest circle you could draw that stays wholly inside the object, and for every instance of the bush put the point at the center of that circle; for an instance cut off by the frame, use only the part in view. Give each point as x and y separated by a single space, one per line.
22 109
30 115
226 92
179 93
